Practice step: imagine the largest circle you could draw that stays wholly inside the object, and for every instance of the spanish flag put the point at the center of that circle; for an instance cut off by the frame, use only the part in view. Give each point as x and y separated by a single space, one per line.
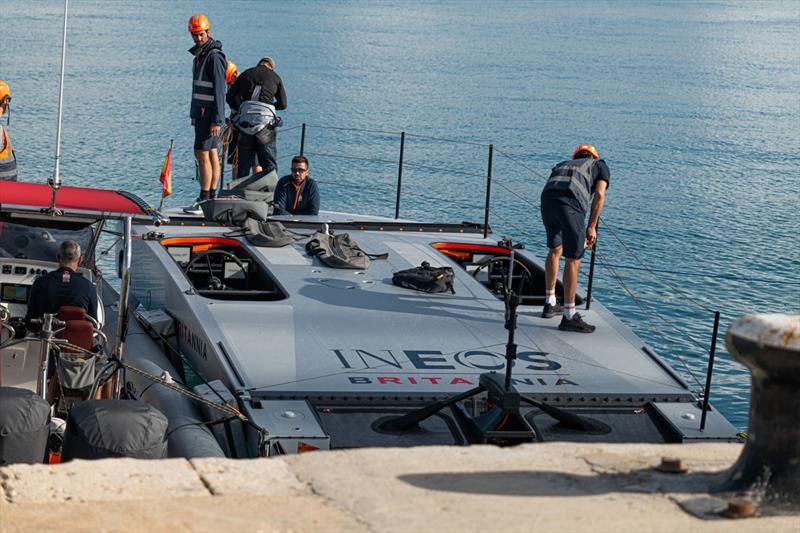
166 174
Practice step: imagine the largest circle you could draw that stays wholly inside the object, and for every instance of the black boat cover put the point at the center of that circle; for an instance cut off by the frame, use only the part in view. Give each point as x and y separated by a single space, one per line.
115 428
24 426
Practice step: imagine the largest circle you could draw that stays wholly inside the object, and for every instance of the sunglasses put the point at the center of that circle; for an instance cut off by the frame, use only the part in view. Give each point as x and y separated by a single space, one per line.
298 170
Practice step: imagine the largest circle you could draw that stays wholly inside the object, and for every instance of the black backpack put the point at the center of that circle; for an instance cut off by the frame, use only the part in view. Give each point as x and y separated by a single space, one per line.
426 278
340 251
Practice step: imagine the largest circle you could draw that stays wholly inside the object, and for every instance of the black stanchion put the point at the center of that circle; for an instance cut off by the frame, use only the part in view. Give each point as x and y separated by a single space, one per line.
711 354
303 138
400 173
488 193
591 277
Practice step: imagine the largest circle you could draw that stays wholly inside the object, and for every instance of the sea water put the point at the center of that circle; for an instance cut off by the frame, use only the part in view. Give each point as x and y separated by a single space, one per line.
695 107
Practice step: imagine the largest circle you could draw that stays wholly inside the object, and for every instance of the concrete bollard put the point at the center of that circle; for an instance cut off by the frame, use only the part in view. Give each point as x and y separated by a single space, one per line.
769 345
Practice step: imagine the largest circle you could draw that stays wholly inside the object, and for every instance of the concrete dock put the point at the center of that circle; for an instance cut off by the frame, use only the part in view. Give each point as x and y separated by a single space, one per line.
544 487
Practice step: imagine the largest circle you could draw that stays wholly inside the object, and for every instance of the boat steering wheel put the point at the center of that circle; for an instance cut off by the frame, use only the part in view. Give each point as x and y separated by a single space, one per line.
497 259
214 283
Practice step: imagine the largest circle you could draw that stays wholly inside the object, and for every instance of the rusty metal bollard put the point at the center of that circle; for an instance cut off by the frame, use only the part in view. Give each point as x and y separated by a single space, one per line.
769 345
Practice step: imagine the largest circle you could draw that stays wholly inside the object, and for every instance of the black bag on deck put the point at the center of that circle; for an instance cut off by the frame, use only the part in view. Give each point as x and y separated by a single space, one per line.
340 251
426 278
234 210
258 186
269 234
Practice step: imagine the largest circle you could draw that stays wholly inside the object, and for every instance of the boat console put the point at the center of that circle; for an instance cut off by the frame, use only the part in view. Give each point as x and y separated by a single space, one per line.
18 363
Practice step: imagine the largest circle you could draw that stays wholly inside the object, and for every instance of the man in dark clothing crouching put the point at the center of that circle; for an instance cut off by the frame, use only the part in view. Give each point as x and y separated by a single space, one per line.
262 84
573 185
297 194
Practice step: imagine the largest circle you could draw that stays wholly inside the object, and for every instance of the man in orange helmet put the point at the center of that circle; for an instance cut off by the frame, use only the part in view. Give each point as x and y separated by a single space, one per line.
231 74
8 162
207 109
574 186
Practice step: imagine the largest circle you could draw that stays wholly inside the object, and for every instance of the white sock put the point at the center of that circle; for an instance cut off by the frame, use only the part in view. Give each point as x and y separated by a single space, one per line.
569 310
550 297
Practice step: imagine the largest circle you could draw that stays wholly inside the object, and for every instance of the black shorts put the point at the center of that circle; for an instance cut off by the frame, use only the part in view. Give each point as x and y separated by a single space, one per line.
203 140
564 223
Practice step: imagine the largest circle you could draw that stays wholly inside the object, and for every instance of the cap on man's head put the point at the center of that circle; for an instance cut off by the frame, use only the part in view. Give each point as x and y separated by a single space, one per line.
268 61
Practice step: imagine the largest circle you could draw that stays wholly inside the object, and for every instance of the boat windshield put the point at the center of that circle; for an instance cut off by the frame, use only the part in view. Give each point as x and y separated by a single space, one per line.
40 241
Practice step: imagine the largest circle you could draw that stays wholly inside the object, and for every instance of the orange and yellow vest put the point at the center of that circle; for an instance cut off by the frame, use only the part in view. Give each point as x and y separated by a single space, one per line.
8 163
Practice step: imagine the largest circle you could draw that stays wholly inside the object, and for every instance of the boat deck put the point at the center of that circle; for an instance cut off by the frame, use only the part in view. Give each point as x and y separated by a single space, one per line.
346 333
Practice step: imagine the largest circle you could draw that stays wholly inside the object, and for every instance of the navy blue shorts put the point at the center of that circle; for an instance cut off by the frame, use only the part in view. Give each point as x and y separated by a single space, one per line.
564 223
203 140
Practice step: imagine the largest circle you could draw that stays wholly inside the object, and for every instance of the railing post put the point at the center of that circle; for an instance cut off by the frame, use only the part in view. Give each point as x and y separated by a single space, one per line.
711 353
303 138
591 276
400 173
488 193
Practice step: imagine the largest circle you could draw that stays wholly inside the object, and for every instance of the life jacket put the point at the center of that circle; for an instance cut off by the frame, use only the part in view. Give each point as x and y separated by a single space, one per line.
8 162
576 177
203 94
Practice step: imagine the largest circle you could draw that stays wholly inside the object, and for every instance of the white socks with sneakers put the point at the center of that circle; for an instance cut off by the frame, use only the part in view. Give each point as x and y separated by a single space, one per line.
550 297
569 310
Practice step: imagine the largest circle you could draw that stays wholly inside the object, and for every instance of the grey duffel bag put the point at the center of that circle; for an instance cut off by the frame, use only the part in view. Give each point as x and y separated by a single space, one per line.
260 181
340 251
271 234
234 210
257 187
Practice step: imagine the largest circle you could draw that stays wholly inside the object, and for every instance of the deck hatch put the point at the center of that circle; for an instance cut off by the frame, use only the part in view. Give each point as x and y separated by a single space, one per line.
221 268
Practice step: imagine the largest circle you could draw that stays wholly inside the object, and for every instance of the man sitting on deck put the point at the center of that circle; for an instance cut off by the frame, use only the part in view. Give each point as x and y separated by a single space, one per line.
63 286
566 196
297 194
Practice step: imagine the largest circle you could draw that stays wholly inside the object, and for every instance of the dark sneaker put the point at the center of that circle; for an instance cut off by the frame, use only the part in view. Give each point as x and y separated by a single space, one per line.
193 208
550 311
576 324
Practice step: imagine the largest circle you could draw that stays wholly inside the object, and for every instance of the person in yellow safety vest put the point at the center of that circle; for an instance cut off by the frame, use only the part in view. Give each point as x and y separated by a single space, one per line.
8 162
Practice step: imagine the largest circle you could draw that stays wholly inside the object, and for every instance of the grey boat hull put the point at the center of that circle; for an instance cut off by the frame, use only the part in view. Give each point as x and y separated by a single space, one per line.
336 351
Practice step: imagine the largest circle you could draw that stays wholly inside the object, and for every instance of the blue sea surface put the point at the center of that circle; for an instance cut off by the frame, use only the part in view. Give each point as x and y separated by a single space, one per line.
695 106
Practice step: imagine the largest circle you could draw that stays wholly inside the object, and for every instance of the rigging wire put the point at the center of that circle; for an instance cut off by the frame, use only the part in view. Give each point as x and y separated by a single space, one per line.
653 324
385 188
709 275
361 130
520 163
351 157
393 162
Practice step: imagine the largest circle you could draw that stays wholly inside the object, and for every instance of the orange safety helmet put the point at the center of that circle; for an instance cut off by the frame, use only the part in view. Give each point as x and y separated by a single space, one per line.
230 71
4 90
198 23
589 148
